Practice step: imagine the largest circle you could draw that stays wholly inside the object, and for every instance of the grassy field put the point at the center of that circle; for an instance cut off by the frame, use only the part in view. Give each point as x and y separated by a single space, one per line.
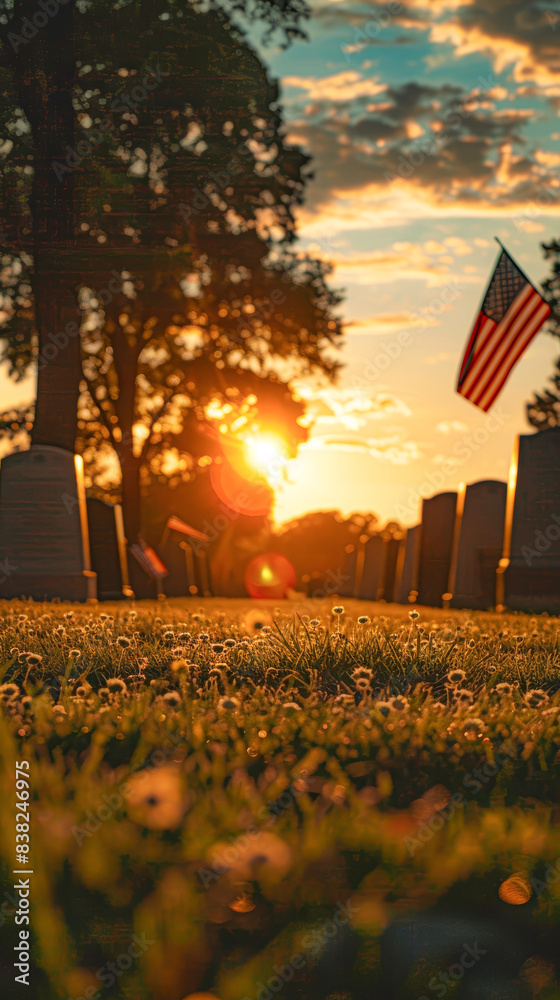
238 800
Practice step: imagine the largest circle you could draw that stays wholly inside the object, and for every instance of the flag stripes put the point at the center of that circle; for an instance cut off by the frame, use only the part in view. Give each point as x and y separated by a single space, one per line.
487 327
505 369
498 340
149 560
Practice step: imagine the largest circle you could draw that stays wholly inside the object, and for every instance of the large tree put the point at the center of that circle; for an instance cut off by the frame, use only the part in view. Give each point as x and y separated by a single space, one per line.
544 409
43 62
183 199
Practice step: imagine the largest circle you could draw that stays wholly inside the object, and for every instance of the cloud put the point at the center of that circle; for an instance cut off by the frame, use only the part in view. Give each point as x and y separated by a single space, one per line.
384 323
389 449
372 20
440 459
451 427
437 358
403 261
517 34
417 151
345 86
349 407
530 227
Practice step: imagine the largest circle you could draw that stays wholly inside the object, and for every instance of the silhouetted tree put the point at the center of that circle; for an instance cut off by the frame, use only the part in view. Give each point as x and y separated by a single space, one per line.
182 199
44 70
544 409
315 542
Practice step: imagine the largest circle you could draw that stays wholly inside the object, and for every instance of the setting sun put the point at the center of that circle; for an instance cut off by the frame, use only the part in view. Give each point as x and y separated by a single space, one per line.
266 454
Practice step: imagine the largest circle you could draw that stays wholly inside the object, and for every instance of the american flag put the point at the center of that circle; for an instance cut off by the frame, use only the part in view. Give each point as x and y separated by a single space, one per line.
175 523
149 560
511 314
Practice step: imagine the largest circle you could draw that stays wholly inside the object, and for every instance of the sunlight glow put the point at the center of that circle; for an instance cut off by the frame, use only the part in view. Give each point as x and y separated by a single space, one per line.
266 454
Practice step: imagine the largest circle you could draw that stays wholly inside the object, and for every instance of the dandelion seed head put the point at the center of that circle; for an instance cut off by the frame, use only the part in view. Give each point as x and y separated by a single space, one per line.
156 799
229 704
473 728
384 707
504 688
456 676
9 689
117 685
535 698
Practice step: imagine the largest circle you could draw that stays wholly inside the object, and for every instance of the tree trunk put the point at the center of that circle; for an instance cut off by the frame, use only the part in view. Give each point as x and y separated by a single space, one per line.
44 71
60 364
131 500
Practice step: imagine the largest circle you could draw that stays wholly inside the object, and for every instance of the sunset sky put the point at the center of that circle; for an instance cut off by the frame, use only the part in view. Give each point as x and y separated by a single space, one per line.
473 92
433 127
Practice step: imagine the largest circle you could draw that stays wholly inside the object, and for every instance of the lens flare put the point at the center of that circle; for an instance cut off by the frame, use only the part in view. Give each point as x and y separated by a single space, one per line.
270 575
239 493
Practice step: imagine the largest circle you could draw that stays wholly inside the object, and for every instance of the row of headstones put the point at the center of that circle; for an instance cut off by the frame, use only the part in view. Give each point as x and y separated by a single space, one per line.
371 571
187 566
57 544
491 544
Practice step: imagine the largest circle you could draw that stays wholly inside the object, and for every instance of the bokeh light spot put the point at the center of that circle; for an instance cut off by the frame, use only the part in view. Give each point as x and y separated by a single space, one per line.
516 890
270 575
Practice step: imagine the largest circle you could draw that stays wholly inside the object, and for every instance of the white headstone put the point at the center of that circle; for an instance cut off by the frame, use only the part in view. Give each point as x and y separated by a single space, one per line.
44 544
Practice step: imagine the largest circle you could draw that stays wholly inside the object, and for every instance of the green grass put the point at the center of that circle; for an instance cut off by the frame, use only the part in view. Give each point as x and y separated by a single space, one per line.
223 779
